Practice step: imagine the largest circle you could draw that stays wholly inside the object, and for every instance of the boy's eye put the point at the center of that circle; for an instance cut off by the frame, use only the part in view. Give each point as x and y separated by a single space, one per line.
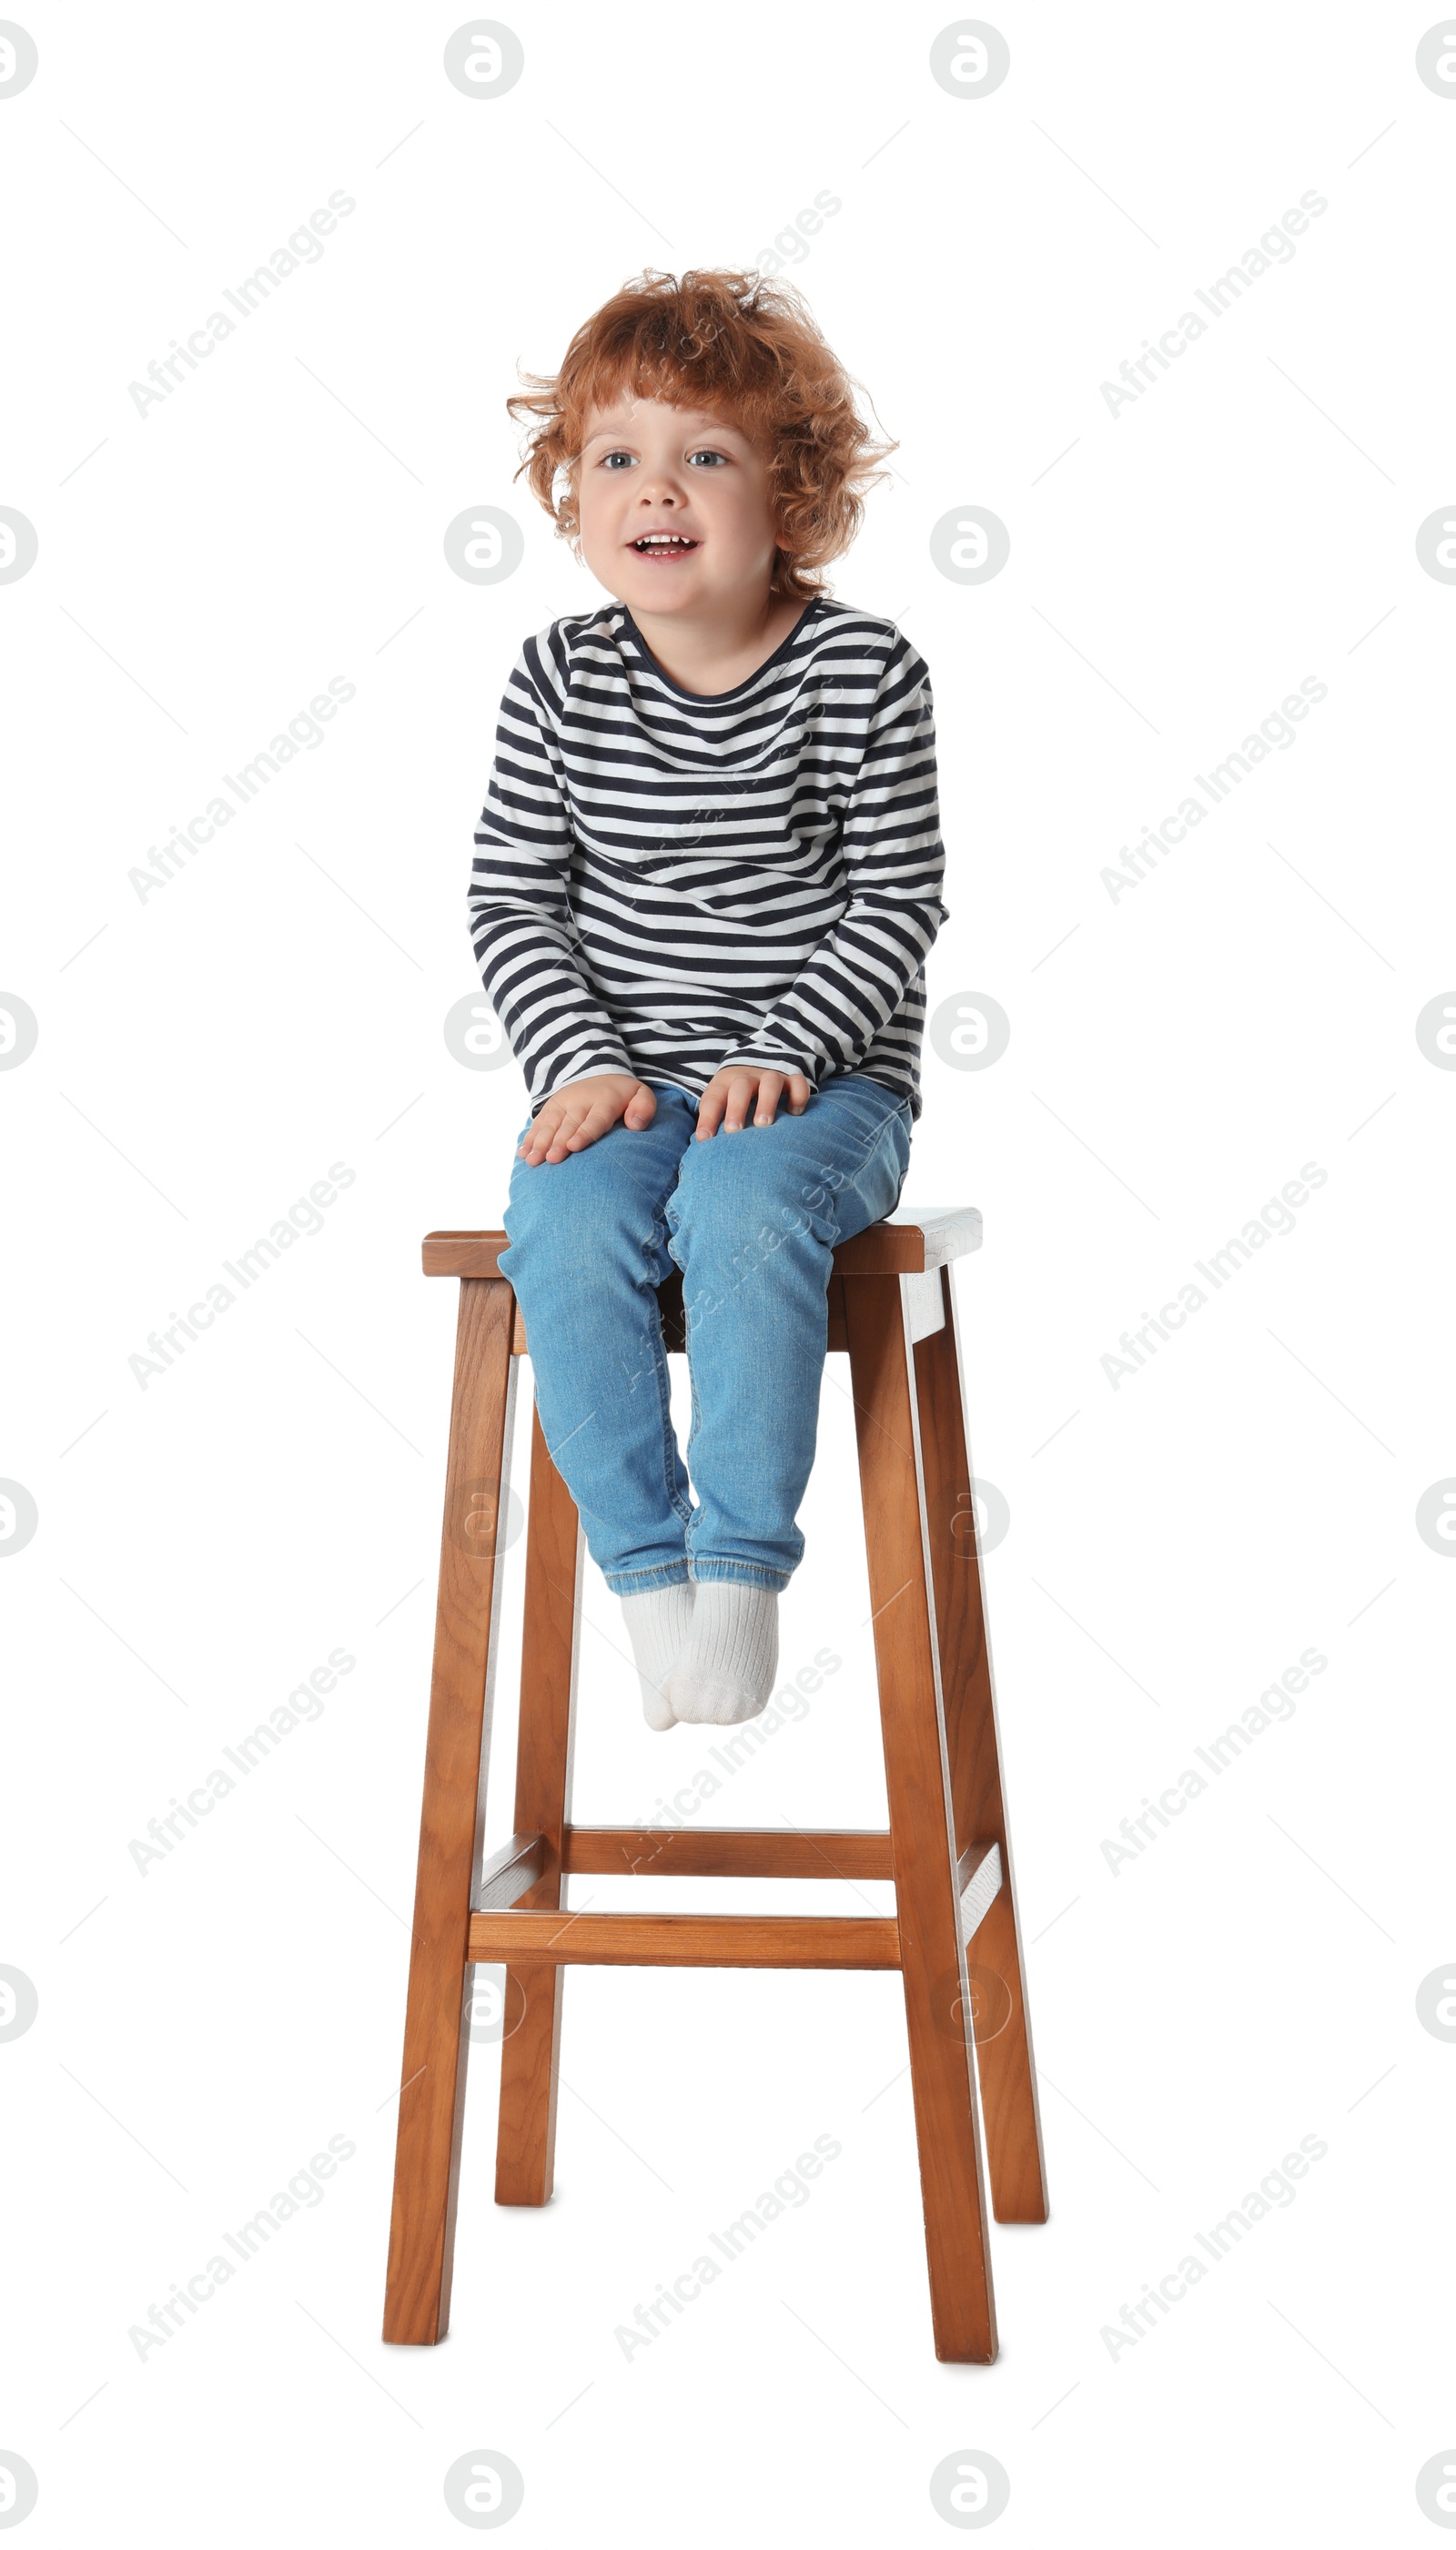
610 460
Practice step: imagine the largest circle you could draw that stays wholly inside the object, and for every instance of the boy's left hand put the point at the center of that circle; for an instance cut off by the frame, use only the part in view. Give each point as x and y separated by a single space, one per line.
730 1094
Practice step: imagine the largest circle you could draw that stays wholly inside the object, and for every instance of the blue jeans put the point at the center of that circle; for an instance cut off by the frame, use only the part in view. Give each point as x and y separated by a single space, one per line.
752 1220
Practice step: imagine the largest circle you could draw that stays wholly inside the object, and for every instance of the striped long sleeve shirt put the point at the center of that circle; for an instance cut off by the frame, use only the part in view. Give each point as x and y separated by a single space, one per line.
665 883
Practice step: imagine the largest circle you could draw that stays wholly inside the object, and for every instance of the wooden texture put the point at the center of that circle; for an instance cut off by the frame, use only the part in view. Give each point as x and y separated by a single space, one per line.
922 1826
510 1873
977 1879
968 1864
433 2092
1007 2068
616 1850
945 1848
684 1939
905 1247
530 2051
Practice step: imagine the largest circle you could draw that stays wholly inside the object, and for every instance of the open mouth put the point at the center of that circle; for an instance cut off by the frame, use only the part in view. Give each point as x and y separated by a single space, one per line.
663 544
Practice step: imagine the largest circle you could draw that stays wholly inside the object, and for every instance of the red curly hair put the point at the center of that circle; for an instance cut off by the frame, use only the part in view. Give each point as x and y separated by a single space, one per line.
744 348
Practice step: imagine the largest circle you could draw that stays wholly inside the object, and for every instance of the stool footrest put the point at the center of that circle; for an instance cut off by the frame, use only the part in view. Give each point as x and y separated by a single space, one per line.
748 1850
980 1875
510 1872
550 1938
562 1939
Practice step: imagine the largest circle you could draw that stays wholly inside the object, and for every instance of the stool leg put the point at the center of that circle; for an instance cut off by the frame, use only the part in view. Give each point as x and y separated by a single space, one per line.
922 1831
1005 2060
436 2041
529 2055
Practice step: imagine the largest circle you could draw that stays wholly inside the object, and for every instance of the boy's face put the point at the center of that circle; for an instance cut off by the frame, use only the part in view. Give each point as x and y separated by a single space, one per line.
647 467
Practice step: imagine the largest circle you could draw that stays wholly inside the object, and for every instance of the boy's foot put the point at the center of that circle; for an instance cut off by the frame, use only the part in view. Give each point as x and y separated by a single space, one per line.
657 1625
725 1668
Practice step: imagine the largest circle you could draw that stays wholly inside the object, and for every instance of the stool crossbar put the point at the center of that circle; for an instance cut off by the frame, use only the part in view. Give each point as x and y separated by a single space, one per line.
892 1310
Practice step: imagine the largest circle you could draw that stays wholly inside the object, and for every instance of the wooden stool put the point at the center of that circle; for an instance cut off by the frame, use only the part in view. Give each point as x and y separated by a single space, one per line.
892 1308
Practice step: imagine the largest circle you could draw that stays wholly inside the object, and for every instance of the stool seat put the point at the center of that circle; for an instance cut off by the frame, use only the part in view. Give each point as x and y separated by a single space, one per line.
910 1243
915 1244
946 1851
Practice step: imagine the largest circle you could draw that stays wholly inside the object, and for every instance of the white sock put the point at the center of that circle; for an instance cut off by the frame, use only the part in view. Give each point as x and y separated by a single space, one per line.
725 1668
657 1625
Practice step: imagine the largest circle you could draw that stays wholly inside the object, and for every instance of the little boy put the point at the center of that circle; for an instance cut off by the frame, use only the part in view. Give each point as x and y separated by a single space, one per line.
704 883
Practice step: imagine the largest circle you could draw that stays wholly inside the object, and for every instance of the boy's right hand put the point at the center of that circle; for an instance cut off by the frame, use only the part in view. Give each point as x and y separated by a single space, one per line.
583 1112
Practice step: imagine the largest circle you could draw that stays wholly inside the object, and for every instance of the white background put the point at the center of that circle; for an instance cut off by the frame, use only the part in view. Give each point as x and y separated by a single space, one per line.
1176 570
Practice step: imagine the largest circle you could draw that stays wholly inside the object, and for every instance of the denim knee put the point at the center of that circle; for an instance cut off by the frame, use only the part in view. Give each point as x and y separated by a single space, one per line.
842 1162
731 1238
601 1206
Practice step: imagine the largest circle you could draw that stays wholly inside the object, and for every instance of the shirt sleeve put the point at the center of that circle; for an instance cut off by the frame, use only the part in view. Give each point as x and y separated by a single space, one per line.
522 929
895 862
